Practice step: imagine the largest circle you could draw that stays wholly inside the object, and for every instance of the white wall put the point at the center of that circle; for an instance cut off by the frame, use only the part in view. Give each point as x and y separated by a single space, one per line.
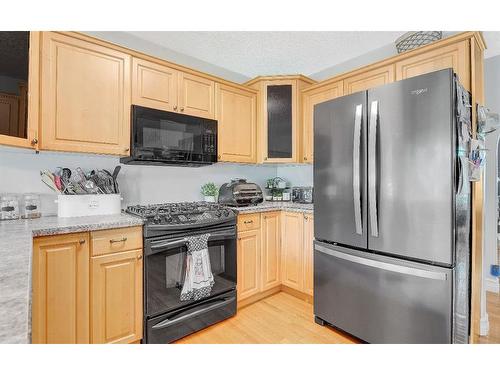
298 175
19 173
492 101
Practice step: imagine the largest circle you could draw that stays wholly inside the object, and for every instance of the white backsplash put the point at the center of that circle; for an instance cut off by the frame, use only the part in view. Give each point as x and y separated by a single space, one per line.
298 175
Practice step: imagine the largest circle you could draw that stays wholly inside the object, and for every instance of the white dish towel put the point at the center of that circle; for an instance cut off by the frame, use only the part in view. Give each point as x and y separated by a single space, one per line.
199 278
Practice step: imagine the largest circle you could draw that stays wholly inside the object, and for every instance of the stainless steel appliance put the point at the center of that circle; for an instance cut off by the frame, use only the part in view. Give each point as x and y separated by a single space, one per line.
168 138
392 213
239 192
302 194
166 317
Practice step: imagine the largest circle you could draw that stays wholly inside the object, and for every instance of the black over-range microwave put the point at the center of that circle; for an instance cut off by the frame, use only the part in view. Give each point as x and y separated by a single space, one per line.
169 138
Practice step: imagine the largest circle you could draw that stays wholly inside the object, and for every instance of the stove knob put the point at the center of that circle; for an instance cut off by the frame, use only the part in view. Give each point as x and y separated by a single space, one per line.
226 213
157 219
168 218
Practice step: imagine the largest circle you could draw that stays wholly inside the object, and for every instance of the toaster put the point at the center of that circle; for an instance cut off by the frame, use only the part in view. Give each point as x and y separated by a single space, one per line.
240 193
302 194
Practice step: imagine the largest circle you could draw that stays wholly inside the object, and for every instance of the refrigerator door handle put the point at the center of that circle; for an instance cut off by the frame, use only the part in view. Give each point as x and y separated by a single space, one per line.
417 272
372 168
356 186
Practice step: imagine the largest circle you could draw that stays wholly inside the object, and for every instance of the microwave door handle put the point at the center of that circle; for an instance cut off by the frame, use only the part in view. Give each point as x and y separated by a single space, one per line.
169 322
372 168
356 186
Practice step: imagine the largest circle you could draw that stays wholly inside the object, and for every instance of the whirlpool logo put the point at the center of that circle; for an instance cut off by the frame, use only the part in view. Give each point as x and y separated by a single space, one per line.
419 91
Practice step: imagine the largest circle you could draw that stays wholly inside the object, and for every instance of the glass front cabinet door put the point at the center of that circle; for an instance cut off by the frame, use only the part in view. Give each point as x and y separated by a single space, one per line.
279 117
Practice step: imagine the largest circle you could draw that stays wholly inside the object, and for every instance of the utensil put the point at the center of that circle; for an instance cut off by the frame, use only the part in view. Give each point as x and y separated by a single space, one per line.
115 175
48 179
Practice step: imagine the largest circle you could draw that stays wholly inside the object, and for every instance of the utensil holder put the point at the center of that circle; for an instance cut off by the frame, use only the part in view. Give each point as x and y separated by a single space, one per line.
88 205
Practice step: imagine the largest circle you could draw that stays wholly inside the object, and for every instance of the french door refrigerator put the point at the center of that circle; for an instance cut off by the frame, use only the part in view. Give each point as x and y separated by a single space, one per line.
392 211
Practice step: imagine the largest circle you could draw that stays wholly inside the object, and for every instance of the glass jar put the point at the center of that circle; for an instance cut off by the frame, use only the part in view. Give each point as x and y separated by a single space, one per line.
9 207
31 206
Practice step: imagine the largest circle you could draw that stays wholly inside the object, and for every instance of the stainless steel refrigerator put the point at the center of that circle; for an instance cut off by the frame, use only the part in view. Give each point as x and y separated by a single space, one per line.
392 213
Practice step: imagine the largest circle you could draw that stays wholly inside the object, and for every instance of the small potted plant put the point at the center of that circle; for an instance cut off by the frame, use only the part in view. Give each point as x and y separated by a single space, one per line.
209 191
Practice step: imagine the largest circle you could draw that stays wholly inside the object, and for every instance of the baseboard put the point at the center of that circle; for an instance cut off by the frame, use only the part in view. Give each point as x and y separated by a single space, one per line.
301 295
492 285
484 325
258 297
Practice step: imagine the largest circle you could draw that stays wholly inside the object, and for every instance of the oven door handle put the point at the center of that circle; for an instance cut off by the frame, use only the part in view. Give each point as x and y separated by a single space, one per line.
223 235
165 245
169 322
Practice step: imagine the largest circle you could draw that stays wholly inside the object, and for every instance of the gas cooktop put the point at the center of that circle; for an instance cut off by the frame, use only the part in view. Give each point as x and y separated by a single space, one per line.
182 215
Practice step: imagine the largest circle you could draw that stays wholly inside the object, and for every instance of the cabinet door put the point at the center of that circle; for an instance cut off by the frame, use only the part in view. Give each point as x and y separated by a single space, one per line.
60 311
454 56
308 254
85 96
116 304
280 122
292 257
248 264
237 130
368 80
271 252
154 85
310 99
196 96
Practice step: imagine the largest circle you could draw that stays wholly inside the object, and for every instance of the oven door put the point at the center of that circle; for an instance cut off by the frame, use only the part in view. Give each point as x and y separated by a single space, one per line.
168 137
165 268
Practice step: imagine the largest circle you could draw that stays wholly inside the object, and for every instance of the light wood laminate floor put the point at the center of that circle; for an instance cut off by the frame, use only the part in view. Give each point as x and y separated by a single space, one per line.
278 319
493 310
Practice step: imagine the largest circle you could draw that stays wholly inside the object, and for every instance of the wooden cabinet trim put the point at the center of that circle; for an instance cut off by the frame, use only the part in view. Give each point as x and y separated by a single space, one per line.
365 81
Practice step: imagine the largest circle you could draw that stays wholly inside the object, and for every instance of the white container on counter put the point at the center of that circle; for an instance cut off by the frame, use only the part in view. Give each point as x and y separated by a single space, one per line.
88 205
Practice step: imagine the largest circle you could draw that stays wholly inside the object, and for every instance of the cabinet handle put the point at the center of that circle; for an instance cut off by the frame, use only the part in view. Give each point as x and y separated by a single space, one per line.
182 109
219 157
248 222
127 149
120 240
81 242
175 108
305 158
34 142
265 158
139 257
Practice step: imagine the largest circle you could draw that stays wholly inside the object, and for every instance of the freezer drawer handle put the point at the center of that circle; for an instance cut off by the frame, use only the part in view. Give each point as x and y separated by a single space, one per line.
356 186
372 168
382 265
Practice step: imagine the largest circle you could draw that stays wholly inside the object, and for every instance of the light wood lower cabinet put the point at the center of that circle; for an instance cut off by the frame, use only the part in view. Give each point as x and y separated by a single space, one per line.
308 254
60 310
79 298
275 253
116 297
248 263
292 250
271 250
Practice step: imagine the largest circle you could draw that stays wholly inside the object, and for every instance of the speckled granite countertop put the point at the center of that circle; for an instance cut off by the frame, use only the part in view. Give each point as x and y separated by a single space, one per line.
16 244
276 206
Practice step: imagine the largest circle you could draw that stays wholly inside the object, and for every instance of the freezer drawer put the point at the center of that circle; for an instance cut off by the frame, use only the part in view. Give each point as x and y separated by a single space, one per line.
380 299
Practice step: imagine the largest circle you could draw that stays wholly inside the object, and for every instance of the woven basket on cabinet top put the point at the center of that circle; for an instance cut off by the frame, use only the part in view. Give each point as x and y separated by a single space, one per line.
414 39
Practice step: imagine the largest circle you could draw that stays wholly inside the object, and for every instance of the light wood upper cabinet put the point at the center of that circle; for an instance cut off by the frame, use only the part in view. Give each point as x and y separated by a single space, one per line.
292 250
309 100
271 250
196 95
237 126
154 85
248 259
85 96
456 56
308 254
116 303
60 311
369 79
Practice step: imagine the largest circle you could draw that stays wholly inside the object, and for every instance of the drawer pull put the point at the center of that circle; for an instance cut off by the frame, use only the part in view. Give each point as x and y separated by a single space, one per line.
81 242
248 222
120 240
139 257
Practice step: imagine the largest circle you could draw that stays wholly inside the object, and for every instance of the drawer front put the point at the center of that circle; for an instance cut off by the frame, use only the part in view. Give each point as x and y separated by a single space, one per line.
115 240
248 222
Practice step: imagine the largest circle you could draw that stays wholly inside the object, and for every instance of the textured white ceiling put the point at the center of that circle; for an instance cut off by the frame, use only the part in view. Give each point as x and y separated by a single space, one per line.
265 53
280 52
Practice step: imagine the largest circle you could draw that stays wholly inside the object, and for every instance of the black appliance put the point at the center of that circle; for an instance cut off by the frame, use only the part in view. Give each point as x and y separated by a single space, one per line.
239 193
166 317
168 138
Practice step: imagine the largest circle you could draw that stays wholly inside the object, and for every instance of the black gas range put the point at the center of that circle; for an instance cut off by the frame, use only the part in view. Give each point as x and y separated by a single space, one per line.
166 317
